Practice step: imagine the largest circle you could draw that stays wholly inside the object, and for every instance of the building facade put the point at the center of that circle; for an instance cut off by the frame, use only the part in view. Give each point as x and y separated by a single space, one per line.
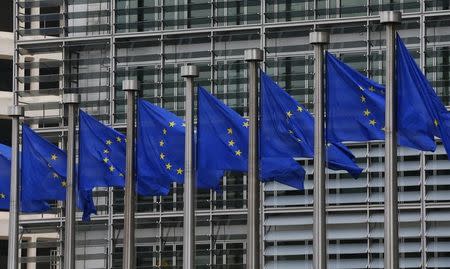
91 46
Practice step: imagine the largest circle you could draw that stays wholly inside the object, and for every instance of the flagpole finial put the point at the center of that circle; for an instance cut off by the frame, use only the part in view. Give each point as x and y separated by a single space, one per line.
255 55
15 111
390 17
130 85
189 71
317 37
71 98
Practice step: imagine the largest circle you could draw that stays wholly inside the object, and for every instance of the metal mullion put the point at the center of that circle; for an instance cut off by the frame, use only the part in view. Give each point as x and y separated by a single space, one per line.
423 225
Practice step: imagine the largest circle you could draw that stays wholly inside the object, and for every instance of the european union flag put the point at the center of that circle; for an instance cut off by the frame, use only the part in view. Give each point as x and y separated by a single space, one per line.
44 172
419 108
223 144
43 168
356 107
5 176
160 152
289 128
102 155
26 205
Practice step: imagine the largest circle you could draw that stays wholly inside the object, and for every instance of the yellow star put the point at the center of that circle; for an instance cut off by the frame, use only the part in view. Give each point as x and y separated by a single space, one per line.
120 175
372 122
55 175
367 112
105 151
230 131
112 168
168 166
118 139
361 88
172 124
371 88
238 152
299 109
2 196
108 142
289 114
179 171
63 184
291 132
246 124
183 124
105 160
383 129
54 157
162 156
164 131
299 140
363 99
161 143
231 143
436 122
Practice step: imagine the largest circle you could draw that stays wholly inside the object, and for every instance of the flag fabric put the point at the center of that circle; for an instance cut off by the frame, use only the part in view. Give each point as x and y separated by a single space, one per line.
102 155
419 107
44 172
356 110
160 152
5 176
43 168
27 206
85 203
223 138
289 128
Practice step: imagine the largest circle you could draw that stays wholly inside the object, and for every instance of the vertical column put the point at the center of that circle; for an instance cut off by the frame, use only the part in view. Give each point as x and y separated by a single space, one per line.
319 40
71 100
15 112
253 57
189 72
129 258
391 249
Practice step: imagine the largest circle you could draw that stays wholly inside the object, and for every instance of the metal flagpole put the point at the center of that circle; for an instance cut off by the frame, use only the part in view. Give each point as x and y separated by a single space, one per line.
15 112
253 57
71 100
391 249
319 41
189 72
129 258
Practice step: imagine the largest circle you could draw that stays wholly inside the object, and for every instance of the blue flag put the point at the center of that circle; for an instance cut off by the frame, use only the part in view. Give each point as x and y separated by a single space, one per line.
44 172
27 206
5 176
160 152
419 107
102 155
289 128
43 168
223 144
356 107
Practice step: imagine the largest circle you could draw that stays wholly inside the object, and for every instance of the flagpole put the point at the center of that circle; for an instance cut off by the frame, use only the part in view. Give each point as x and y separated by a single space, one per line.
131 87
391 248
71 100
319 40
189 72
253 57
15 112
